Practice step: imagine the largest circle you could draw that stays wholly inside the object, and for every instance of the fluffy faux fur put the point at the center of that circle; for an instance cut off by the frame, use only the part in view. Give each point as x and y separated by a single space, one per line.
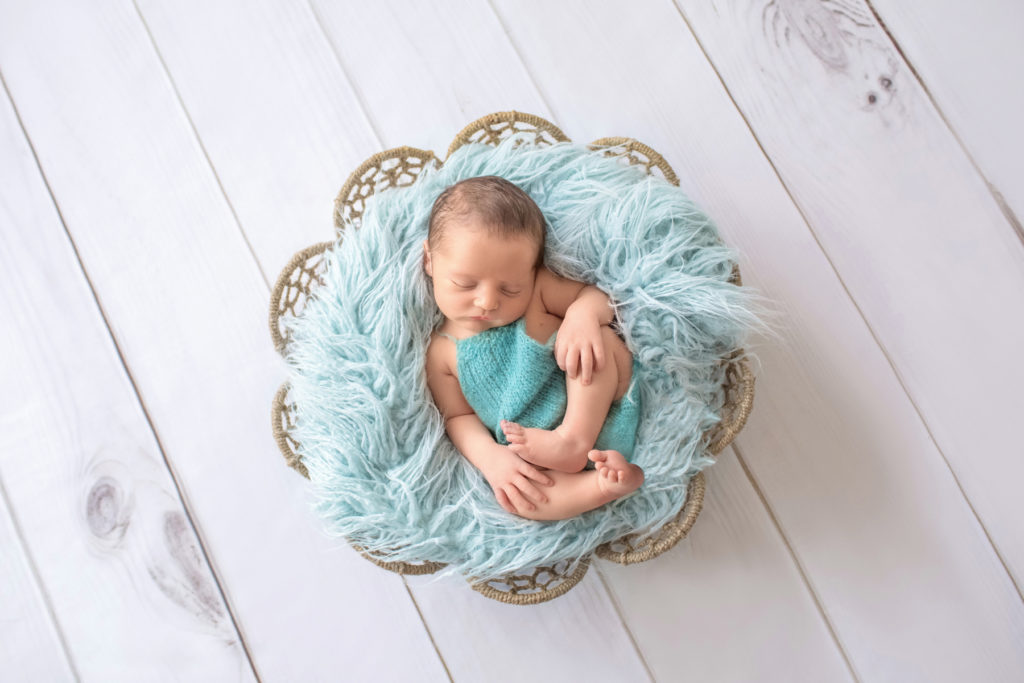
384 473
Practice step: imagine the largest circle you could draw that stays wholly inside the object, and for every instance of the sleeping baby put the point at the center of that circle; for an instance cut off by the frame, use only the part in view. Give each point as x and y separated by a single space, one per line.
530 378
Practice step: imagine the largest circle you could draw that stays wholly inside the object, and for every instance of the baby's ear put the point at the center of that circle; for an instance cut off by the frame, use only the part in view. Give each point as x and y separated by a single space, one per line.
427 265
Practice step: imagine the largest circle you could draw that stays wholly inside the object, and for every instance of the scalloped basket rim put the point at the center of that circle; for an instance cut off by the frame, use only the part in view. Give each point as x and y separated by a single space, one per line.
695 491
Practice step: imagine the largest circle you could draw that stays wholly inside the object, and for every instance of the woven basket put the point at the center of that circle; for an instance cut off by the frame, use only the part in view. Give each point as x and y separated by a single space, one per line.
400 167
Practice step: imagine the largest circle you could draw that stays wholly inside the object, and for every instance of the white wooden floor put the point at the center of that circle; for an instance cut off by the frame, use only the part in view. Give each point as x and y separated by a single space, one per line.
160 162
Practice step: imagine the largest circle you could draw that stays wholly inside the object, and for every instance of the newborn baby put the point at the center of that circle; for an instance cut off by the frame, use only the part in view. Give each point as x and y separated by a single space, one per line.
529 377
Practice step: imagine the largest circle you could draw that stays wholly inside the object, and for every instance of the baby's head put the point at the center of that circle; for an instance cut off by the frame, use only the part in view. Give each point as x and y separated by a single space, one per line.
489 202
484 245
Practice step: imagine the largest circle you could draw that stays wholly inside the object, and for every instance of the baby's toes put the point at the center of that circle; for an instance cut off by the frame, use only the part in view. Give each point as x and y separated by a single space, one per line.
513 432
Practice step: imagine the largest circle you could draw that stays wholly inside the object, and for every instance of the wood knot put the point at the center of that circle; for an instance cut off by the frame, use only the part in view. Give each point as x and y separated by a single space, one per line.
819 29
104 510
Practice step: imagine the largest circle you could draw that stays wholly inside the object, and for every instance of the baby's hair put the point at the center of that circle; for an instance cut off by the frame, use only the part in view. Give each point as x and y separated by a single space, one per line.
499 205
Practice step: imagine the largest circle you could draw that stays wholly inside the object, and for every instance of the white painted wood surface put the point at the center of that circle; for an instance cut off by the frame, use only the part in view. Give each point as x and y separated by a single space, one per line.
102 520
30 642
192 148
915 235
969 59
187 308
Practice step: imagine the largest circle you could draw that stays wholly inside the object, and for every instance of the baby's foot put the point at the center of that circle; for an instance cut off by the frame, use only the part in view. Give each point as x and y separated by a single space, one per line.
553 448
615 476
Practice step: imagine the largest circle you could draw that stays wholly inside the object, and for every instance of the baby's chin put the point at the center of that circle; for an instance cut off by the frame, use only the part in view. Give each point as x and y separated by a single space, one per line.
486 324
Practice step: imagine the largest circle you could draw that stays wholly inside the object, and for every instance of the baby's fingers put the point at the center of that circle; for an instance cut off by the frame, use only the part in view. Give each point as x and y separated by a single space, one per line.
518 499
572 363
503 501
560 352
537 475
530 490
598 357
586 365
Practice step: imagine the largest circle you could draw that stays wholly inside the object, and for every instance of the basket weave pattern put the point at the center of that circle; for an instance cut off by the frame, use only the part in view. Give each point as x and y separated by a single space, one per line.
401 167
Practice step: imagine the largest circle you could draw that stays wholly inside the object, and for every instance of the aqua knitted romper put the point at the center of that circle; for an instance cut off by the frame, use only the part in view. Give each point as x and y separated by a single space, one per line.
505 374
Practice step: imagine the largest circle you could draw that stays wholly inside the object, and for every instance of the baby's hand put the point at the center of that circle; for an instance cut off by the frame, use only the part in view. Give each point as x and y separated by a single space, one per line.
513 481
579 345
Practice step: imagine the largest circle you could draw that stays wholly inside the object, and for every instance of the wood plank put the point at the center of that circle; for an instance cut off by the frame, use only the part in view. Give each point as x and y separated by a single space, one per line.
967 55
905 574
30 645
187 308
424 72
274 110
246 44
577 637
914 233
711 606
99 511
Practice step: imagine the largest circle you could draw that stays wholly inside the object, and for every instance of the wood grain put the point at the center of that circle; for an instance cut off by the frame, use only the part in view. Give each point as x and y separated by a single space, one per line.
967 58
100 512
909 225
187 307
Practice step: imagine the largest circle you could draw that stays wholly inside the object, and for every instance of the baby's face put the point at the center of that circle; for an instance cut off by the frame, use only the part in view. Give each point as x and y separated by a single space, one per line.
481 280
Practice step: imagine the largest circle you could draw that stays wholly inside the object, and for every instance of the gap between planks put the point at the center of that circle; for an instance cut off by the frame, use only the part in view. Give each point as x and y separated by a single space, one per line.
997 196
32 563
796 560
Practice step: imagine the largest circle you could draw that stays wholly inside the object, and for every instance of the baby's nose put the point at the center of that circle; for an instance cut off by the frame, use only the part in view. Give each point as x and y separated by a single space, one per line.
487 301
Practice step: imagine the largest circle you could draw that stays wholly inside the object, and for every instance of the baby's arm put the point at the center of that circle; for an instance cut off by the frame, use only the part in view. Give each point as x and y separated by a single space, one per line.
579 346
511 478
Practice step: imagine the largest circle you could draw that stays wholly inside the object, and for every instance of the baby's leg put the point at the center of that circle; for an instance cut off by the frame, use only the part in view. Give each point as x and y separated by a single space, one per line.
574 493
565 448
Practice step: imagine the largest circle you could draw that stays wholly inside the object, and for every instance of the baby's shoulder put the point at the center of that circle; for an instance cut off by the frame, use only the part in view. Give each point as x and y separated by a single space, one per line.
549 280
441 352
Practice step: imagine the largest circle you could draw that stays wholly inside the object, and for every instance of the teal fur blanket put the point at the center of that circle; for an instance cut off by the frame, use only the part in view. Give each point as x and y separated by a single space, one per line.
384 473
